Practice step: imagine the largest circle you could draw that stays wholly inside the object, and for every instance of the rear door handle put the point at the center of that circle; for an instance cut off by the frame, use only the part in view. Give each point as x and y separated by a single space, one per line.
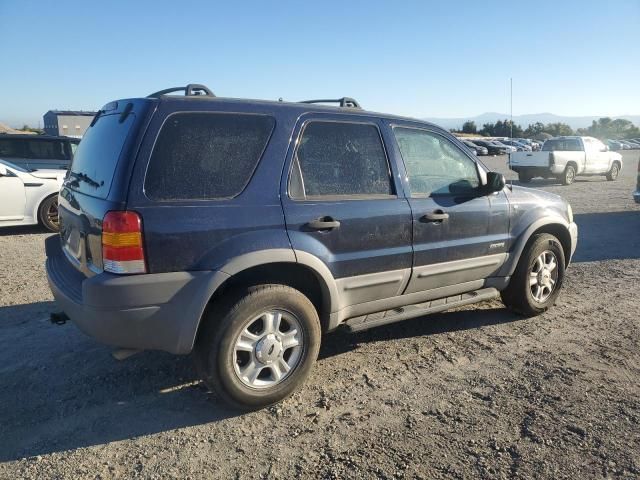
435 216
323 223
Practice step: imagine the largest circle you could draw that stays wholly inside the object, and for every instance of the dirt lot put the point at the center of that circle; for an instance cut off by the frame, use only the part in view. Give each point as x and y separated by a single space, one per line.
475 393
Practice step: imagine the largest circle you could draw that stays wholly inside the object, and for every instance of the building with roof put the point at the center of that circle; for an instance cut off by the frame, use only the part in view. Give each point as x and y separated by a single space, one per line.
71 123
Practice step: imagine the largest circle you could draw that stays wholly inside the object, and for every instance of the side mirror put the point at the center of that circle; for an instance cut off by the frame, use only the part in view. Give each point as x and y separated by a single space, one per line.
605 149
495 182
3 171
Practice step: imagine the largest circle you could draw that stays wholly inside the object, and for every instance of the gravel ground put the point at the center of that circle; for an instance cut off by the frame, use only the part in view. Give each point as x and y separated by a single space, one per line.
473 393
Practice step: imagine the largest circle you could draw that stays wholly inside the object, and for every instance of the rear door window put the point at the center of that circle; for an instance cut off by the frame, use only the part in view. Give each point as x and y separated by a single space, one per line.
206 156
339 159
96 158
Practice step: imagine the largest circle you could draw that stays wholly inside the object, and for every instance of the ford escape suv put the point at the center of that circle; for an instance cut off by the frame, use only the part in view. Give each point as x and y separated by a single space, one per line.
243 230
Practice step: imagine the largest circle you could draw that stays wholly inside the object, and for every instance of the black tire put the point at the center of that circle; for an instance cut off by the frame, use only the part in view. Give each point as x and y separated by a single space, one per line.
569 175
612 174
518 295
524 177
48 213
215 350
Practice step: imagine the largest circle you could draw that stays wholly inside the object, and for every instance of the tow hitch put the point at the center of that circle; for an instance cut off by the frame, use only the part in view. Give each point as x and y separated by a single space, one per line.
58 318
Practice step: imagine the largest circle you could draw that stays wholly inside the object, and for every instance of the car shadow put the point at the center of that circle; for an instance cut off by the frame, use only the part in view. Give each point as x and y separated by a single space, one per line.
343 341
62 390
23 230
608 236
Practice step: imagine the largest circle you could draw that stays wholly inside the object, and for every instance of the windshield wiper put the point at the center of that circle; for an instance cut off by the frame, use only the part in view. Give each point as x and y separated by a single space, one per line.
83 177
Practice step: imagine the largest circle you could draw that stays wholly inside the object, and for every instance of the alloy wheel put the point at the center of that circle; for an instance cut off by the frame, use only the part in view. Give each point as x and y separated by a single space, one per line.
268 349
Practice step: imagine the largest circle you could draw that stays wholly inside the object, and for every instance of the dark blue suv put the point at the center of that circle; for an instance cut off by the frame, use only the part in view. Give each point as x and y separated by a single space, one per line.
243 230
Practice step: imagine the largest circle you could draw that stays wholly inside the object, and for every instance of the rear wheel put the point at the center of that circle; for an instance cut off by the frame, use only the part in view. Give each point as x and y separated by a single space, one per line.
537 280
612 175
524 177
48 213
259 347
569 175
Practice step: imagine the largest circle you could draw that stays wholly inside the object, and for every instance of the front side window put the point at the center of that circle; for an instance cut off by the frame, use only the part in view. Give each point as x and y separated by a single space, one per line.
339 159
206 156
435 166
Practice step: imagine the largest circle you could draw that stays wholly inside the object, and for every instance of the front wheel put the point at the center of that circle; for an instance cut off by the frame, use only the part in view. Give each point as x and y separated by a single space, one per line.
259 347
48 213
537 280
612 174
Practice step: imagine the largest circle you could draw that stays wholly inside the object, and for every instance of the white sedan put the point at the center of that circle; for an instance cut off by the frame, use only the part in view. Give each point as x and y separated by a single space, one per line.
29 197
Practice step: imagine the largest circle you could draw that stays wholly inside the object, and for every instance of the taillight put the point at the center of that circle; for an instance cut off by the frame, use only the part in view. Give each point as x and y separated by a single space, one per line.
122 248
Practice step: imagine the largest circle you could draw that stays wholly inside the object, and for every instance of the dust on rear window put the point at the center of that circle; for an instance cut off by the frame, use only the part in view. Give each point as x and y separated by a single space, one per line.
95 160
203 156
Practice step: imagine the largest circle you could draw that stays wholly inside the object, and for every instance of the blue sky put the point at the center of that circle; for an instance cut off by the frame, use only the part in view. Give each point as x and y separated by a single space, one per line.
422 59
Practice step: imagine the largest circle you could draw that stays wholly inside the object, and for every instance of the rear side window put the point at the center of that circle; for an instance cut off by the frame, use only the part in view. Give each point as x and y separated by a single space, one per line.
46 149
11 148
337 159
206 156
96 158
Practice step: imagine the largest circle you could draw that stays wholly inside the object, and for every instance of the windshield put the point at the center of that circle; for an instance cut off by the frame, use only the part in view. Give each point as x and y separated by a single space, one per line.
96 157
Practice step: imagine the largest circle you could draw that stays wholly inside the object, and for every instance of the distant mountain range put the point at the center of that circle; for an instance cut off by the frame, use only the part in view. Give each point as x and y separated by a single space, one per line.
525 120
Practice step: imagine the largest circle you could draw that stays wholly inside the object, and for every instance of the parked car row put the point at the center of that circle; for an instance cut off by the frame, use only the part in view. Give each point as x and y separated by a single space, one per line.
630 144
490 146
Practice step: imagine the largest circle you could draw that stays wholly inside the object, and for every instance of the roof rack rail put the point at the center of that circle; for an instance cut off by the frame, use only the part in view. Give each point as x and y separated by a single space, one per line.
345 102
191 90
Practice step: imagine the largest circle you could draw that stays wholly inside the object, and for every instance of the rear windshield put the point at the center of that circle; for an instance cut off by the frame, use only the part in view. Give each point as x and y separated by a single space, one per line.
202 156
562 145
96 157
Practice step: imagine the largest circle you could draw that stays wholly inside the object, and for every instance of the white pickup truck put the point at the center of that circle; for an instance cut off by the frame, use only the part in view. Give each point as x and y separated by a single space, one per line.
566 157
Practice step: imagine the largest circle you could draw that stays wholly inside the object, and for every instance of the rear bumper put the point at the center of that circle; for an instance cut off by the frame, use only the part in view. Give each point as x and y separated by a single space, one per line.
159 311
536 171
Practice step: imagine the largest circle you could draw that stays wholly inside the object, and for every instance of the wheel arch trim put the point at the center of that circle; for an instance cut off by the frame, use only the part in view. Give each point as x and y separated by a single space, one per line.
540 224
237 265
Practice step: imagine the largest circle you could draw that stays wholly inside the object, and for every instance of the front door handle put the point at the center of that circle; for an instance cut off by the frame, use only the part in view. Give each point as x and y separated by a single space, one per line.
323 223
436 216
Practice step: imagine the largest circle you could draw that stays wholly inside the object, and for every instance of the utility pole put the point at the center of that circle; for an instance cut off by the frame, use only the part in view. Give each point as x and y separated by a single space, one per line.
511 85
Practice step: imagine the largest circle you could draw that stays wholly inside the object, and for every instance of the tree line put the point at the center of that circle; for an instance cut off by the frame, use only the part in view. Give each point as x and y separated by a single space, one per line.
603 128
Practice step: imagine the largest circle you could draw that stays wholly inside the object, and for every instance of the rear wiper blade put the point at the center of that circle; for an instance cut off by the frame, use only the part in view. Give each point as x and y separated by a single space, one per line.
78 177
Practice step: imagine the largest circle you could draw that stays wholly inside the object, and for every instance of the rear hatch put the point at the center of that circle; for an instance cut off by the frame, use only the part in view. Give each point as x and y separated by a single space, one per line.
98 180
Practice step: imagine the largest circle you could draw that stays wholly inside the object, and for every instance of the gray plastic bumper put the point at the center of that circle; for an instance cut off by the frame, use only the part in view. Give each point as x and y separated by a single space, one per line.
158 311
